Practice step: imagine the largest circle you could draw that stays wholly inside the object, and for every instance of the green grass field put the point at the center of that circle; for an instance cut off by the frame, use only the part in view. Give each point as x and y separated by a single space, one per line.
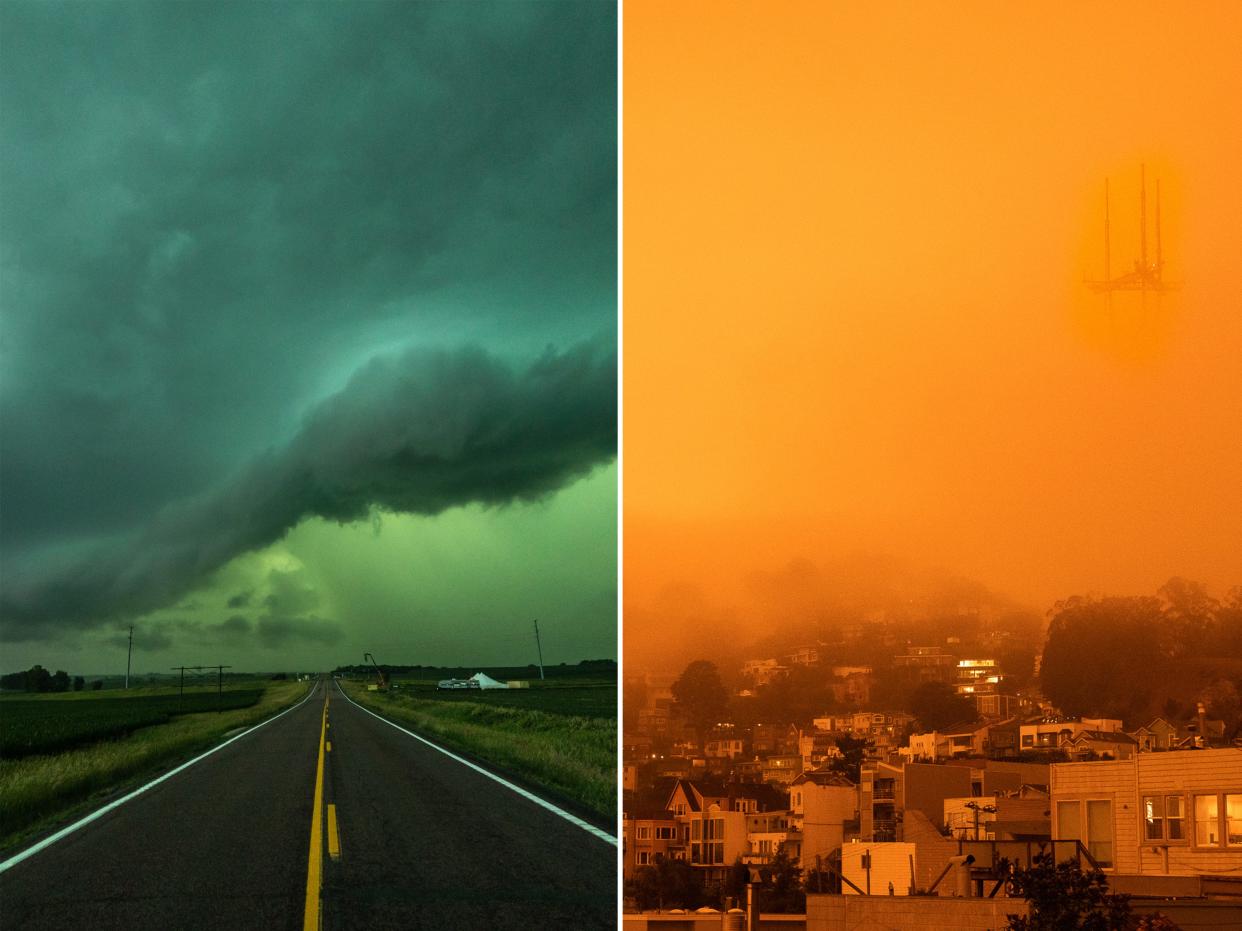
588 698
39 726
561 739
38 789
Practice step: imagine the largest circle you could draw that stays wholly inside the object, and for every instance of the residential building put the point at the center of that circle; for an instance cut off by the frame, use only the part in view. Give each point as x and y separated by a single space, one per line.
816 748
1156 734
821 805
1051 734
1174 813
729 748
997 705
714 821
766 833
805 656
647 834
1105 745
978 677
926 664
782 767
763 671
879 801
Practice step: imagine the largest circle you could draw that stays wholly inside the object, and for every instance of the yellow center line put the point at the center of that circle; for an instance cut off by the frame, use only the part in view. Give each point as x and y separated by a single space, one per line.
314 866
334 839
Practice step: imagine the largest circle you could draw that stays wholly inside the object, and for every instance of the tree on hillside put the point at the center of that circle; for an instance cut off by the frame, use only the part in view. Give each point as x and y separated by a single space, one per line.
666 883
701 698
937 706
1189 615
1229 624
734 885
849 763
1099 655
60 681
796 696
1062 898
633 699
782 885
79 683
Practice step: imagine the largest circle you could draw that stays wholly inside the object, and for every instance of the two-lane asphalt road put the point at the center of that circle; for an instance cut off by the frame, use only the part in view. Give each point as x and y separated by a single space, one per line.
405 837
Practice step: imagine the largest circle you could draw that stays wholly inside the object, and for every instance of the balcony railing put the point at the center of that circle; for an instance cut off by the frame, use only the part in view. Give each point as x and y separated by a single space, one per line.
989 853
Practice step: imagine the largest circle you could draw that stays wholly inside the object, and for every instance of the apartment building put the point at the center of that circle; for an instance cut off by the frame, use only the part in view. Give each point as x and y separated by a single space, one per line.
1173 813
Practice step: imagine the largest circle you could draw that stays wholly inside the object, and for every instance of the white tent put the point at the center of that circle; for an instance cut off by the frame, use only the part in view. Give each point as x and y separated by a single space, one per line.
487 682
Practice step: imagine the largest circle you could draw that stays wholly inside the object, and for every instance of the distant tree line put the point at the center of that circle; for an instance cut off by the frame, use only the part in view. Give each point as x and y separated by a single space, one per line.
1132 657
38 679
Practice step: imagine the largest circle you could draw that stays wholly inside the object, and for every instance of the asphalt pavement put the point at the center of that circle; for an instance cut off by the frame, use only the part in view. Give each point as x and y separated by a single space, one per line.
407 837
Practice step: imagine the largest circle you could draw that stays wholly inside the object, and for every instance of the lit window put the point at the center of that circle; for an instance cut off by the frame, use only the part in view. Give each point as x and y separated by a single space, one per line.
1207 820
1153 816
1218 820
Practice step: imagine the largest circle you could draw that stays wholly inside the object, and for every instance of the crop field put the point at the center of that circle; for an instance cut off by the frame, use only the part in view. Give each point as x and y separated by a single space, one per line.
38 726
38 788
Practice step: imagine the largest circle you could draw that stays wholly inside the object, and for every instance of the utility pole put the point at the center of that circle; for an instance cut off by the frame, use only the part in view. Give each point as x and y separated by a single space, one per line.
181 694
219 684
130 655
539 647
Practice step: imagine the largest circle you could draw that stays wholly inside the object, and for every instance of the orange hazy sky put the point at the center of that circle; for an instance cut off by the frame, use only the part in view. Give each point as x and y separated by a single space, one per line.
854 318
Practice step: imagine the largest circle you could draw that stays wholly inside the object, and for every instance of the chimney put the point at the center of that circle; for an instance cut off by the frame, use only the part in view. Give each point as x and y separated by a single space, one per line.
1202 739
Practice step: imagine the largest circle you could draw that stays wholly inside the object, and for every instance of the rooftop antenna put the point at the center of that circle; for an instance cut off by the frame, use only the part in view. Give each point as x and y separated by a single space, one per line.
1159 253
1146 275
1108 239
1143 224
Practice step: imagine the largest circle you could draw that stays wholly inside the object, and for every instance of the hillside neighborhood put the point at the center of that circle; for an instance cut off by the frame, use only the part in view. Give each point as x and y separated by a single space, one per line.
722 791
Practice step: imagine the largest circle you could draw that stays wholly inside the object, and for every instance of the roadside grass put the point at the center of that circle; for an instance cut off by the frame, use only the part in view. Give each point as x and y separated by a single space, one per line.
587 698
36 790
573 757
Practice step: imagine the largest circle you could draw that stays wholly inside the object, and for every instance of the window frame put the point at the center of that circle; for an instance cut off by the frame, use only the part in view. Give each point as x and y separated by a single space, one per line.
1164 840
1222 822
1084 826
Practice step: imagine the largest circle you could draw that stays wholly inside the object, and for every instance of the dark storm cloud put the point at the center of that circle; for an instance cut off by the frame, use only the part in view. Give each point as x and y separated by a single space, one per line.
275 632
235 626
213 212
416 433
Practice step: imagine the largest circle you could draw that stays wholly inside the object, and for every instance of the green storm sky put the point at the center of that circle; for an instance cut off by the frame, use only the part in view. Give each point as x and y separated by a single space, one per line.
309 333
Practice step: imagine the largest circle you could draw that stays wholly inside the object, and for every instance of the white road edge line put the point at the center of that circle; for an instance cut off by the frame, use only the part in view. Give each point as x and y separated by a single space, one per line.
542 803
99 813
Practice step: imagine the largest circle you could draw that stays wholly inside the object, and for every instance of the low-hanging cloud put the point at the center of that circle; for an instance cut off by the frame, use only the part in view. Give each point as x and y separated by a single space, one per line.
417 433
